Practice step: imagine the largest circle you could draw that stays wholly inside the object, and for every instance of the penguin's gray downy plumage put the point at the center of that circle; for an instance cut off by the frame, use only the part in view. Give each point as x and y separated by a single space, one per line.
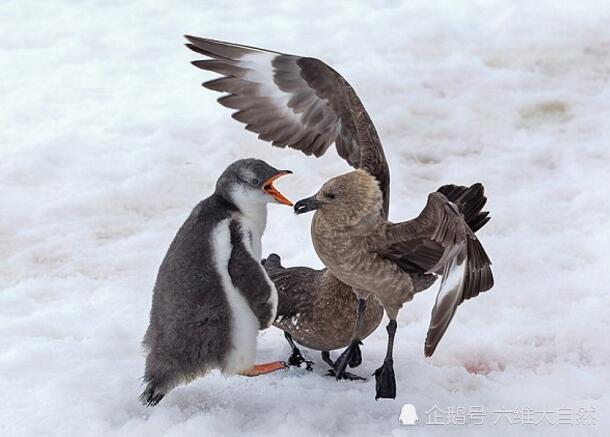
212 295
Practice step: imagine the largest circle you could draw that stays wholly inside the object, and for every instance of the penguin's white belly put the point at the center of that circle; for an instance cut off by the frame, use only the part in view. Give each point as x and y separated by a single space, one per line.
244 324
251 234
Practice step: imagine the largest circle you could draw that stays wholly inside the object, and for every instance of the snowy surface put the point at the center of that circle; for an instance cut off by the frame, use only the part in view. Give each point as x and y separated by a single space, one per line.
107 141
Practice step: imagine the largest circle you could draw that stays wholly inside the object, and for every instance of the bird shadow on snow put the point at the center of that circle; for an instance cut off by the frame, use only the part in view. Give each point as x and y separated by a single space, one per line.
213 392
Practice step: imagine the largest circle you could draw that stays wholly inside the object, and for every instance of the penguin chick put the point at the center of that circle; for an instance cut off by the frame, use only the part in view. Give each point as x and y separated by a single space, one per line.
212 295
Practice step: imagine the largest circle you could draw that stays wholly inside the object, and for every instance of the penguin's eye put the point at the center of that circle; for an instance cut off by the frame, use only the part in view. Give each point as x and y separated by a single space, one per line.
330 195
255 182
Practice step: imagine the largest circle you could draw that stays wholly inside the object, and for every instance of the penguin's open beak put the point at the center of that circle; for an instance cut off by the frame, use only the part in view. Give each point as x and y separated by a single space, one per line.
270 189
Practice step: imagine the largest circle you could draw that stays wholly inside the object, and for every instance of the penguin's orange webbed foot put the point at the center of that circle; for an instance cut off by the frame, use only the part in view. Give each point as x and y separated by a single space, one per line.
262 369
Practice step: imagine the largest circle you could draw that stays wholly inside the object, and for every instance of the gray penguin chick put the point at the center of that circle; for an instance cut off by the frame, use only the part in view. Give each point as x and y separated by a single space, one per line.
212 295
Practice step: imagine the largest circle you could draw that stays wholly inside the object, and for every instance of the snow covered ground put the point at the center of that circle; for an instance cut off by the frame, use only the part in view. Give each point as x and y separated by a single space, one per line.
107 141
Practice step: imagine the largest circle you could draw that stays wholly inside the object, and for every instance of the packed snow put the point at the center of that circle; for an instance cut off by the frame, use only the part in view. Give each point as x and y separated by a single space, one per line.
107 141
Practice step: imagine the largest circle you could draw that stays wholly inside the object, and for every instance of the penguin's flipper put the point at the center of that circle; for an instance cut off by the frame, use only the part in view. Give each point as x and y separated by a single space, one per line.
262 369
249 276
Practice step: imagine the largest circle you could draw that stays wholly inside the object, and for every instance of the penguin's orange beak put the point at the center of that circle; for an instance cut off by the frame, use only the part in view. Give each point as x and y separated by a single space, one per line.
270 189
